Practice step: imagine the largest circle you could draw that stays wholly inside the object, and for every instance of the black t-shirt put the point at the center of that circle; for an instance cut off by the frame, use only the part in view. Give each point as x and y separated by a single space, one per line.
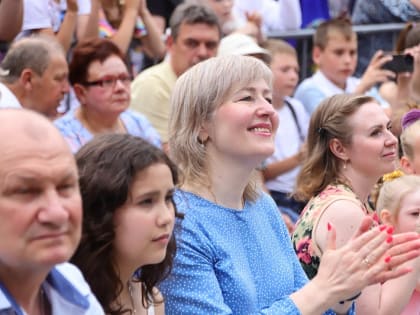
163 8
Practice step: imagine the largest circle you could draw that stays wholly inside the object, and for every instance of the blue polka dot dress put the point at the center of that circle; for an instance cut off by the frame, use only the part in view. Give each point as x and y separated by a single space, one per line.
232 262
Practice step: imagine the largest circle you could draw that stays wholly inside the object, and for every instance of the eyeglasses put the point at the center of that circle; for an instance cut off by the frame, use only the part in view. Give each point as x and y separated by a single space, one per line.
109 82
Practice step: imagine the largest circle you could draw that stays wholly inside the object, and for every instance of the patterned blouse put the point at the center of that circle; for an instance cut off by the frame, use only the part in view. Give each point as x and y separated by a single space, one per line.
303 240
76 134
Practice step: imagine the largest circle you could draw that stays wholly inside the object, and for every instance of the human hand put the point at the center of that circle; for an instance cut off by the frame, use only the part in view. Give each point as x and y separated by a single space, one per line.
254 18
373 255
374 73
415 82
302 152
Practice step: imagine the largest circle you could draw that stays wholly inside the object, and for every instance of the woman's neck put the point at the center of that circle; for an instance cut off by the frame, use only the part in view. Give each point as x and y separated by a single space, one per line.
227 183
361 185
98 123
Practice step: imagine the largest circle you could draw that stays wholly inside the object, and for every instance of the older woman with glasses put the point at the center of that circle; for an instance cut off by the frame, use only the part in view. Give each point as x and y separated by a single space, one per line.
101 82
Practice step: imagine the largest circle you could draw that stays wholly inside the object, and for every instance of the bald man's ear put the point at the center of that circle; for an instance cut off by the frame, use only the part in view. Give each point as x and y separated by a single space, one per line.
26 78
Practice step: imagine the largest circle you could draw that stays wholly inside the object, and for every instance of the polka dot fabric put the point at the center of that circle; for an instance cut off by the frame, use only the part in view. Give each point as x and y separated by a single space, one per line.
232 262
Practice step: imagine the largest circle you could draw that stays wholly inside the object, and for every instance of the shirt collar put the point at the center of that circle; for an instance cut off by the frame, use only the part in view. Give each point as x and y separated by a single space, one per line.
58 282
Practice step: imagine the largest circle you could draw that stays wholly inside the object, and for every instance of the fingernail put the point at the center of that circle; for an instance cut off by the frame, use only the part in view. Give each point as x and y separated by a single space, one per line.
389 240
390 230
387 259
375 217
328 226
382 228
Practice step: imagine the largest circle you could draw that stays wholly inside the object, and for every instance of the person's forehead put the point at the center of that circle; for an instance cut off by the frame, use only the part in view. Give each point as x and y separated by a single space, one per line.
338 38
283 57
368 115
113 64
199 30
27 159
33 135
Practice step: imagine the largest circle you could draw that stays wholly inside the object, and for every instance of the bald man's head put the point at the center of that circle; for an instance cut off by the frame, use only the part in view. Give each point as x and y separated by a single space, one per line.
27 125
40 203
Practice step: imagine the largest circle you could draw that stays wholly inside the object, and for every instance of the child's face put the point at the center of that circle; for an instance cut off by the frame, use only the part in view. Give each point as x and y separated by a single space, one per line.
285 70
409 212
143 226
338 59
412 165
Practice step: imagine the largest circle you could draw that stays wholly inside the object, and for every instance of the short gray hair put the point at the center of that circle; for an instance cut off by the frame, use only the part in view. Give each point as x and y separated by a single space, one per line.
29 53
192 12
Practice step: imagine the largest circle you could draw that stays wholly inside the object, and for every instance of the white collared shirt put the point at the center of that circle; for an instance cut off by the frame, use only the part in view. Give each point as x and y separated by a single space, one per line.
7 98
66 290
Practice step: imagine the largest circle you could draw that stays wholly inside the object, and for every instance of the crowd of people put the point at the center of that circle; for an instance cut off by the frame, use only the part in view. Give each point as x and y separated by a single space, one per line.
164 157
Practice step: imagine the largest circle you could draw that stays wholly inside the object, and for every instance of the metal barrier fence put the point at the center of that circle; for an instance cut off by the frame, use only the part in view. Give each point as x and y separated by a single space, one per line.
304 38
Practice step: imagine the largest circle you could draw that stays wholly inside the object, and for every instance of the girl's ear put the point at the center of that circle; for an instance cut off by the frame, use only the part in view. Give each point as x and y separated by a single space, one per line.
406 165
386 217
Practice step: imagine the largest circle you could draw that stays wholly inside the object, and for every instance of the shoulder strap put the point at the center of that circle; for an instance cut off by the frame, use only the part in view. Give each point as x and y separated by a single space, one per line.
292 110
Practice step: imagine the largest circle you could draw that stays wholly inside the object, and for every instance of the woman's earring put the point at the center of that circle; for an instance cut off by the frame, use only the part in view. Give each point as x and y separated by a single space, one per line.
202 143
345 165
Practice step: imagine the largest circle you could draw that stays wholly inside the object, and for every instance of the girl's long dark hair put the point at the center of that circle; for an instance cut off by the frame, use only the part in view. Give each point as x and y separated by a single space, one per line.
107 167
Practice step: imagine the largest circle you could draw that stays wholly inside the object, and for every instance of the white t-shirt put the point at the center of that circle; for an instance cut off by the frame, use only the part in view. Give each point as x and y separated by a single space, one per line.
39 14
277 15
287 143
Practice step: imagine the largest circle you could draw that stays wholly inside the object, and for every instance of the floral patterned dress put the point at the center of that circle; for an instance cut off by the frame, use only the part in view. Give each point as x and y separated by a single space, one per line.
303 240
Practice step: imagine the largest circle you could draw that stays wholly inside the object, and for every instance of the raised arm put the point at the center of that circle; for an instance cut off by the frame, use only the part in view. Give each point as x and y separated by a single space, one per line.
11 17
87 23
68 27
153 43
122 38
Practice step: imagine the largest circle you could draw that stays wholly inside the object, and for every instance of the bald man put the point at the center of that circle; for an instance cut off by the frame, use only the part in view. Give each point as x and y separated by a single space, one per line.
40 220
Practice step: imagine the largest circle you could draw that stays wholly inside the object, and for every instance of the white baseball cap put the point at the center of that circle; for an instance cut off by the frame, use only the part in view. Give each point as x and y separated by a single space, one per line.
241 44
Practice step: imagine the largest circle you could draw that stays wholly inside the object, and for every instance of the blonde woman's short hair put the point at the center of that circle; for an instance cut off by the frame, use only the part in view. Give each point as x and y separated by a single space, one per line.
196 95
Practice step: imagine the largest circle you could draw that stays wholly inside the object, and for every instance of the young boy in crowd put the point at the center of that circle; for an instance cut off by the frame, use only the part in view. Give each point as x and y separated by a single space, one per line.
335 55
282 167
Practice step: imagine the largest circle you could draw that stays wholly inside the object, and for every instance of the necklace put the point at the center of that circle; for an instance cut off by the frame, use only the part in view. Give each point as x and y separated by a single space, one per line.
130 291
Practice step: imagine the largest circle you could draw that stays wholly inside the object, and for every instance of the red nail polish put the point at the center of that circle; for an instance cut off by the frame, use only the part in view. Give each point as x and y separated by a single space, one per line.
375 217
389 240
390 230
382 228
328 226
387 259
